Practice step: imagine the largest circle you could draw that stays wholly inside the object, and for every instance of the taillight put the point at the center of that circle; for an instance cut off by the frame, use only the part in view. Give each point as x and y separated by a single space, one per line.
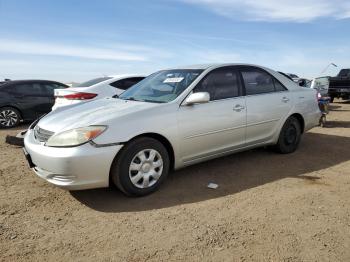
80 96
318 96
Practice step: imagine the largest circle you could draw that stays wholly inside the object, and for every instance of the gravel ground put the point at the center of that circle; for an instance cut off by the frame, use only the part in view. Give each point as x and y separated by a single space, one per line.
268 207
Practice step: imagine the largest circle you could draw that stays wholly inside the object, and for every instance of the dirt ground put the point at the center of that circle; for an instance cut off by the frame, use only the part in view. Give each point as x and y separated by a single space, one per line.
268 207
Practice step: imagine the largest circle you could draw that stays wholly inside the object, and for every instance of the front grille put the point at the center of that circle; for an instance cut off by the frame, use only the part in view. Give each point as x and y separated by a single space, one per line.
41 134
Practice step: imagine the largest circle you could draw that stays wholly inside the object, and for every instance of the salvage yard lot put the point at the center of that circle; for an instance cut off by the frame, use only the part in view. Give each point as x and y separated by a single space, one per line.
268 207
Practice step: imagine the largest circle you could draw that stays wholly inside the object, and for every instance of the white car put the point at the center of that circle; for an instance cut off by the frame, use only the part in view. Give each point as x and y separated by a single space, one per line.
95 89
321 84
172 119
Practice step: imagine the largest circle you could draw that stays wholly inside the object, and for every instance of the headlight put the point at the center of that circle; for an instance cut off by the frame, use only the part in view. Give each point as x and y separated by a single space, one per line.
75 136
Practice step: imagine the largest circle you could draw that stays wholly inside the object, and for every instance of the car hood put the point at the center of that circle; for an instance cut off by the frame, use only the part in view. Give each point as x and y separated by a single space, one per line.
98 112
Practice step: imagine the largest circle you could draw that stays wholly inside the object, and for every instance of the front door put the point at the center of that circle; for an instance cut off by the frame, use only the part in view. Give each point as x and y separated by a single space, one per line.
217 126
30 98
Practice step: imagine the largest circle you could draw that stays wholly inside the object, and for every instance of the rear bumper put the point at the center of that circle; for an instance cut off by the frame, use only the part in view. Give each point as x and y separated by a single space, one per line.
312 119
73 168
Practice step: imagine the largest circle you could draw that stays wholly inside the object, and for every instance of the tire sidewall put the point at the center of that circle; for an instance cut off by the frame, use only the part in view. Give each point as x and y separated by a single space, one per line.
282 146
120 167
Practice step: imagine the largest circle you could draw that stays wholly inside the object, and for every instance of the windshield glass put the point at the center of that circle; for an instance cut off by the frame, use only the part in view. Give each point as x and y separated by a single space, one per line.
93 81
163 86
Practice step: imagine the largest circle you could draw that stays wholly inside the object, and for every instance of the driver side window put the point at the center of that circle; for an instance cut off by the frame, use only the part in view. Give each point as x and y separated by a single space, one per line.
220 83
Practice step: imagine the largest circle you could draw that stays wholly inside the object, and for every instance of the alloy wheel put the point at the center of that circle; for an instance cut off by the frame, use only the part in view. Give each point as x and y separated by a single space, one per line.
8 118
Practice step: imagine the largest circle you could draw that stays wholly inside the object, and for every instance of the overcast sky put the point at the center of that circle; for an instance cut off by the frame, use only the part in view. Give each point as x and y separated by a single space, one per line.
76 40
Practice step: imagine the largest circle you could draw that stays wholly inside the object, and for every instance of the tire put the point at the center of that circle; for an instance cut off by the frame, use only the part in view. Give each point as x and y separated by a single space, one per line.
15 141
141 160
289 137
9 117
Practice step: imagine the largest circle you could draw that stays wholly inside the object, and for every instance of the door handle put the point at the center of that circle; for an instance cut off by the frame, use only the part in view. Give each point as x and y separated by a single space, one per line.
238 108
285 99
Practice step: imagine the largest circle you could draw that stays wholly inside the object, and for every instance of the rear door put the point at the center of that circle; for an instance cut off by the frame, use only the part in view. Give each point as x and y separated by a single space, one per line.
268 102
31 99
217 126
48 89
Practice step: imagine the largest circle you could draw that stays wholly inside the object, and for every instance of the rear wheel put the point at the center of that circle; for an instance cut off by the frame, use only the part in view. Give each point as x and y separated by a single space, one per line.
289 137
141 167
9 117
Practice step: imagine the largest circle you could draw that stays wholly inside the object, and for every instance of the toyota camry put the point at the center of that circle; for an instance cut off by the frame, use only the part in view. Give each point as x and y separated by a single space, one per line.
172 119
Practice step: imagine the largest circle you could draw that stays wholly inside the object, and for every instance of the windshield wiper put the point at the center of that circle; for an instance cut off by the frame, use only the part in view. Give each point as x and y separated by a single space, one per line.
115 96
142 100
131 99
153 101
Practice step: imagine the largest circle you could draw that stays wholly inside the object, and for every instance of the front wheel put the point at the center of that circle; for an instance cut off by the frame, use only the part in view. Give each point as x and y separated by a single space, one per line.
9 117
141 167
290 135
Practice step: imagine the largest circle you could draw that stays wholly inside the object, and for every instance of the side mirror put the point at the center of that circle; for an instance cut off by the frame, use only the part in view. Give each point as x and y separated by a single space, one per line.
197 98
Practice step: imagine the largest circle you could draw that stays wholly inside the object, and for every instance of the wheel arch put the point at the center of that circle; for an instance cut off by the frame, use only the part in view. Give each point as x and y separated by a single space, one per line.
301 120
165 142
15 107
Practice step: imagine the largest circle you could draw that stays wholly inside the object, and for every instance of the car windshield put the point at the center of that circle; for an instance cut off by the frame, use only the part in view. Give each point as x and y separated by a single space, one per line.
162 87
93 81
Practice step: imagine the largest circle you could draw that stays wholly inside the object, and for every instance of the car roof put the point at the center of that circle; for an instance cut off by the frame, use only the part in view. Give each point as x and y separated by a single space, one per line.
12 82
121 76
214 65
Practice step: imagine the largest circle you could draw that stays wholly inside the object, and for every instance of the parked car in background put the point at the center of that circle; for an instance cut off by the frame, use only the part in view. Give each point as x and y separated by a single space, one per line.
172 119
286 75
94 89
339 86
300 81
26 100
294 77
321 84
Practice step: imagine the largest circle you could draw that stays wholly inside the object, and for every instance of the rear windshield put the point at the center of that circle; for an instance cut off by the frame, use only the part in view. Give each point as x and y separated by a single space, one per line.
93 81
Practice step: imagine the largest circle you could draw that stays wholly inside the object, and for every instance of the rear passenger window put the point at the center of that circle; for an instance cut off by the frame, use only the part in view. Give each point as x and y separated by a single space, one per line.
126 83
220 84
49 88
257 82
28 89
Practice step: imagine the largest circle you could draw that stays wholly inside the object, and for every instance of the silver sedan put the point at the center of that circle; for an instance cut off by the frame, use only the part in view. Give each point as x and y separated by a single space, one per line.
172 119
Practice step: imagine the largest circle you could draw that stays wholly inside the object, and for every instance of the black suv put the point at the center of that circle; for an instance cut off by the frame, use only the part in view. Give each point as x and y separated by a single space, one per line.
25 100
339 86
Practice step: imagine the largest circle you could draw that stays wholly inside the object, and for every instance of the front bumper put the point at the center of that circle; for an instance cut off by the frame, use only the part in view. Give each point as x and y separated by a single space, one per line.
72 168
